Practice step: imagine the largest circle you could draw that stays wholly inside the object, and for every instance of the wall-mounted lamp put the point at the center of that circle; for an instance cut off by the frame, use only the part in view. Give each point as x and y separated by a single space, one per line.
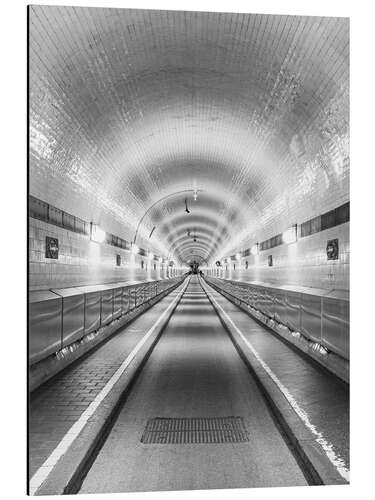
97 234
290 235
160 259
135 248
238 256
254 250
150 256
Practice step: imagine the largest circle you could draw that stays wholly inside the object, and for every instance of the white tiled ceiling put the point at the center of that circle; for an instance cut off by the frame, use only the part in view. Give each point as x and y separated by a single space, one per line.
130 106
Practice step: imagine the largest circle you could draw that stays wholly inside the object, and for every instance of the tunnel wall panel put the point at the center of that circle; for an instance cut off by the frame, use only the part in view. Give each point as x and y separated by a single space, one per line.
92 311
107 307
45 325
117 302
335 325
74 315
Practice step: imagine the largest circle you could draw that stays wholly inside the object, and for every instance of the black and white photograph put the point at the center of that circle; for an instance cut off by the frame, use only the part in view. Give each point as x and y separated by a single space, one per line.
188 212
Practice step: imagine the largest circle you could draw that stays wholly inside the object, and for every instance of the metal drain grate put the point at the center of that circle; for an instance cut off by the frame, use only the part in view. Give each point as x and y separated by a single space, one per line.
195 430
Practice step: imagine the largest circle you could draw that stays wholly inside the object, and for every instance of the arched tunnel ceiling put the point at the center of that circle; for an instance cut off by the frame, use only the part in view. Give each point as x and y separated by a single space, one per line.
130 106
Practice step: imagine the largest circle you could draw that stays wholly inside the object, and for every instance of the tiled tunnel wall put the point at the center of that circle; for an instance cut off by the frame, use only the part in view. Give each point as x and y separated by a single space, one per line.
303 263
84 262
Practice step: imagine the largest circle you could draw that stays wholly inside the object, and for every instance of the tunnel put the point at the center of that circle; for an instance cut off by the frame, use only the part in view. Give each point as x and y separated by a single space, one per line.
188 251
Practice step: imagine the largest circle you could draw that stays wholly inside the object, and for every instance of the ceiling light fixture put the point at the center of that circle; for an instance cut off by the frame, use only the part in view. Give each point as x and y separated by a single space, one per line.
97 234
135 248
290 235
186 207
254 250
153 229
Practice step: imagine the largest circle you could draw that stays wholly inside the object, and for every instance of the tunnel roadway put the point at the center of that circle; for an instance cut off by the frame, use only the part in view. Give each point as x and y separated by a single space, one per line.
194 371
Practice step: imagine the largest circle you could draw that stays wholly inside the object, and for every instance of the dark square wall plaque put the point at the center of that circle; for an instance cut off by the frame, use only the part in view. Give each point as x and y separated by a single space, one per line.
52 248
333 249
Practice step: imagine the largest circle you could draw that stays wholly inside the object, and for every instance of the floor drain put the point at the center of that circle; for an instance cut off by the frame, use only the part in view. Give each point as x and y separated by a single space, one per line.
195 430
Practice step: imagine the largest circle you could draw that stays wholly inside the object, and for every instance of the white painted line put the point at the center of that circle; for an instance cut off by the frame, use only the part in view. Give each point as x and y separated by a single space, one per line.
46 468
327 447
